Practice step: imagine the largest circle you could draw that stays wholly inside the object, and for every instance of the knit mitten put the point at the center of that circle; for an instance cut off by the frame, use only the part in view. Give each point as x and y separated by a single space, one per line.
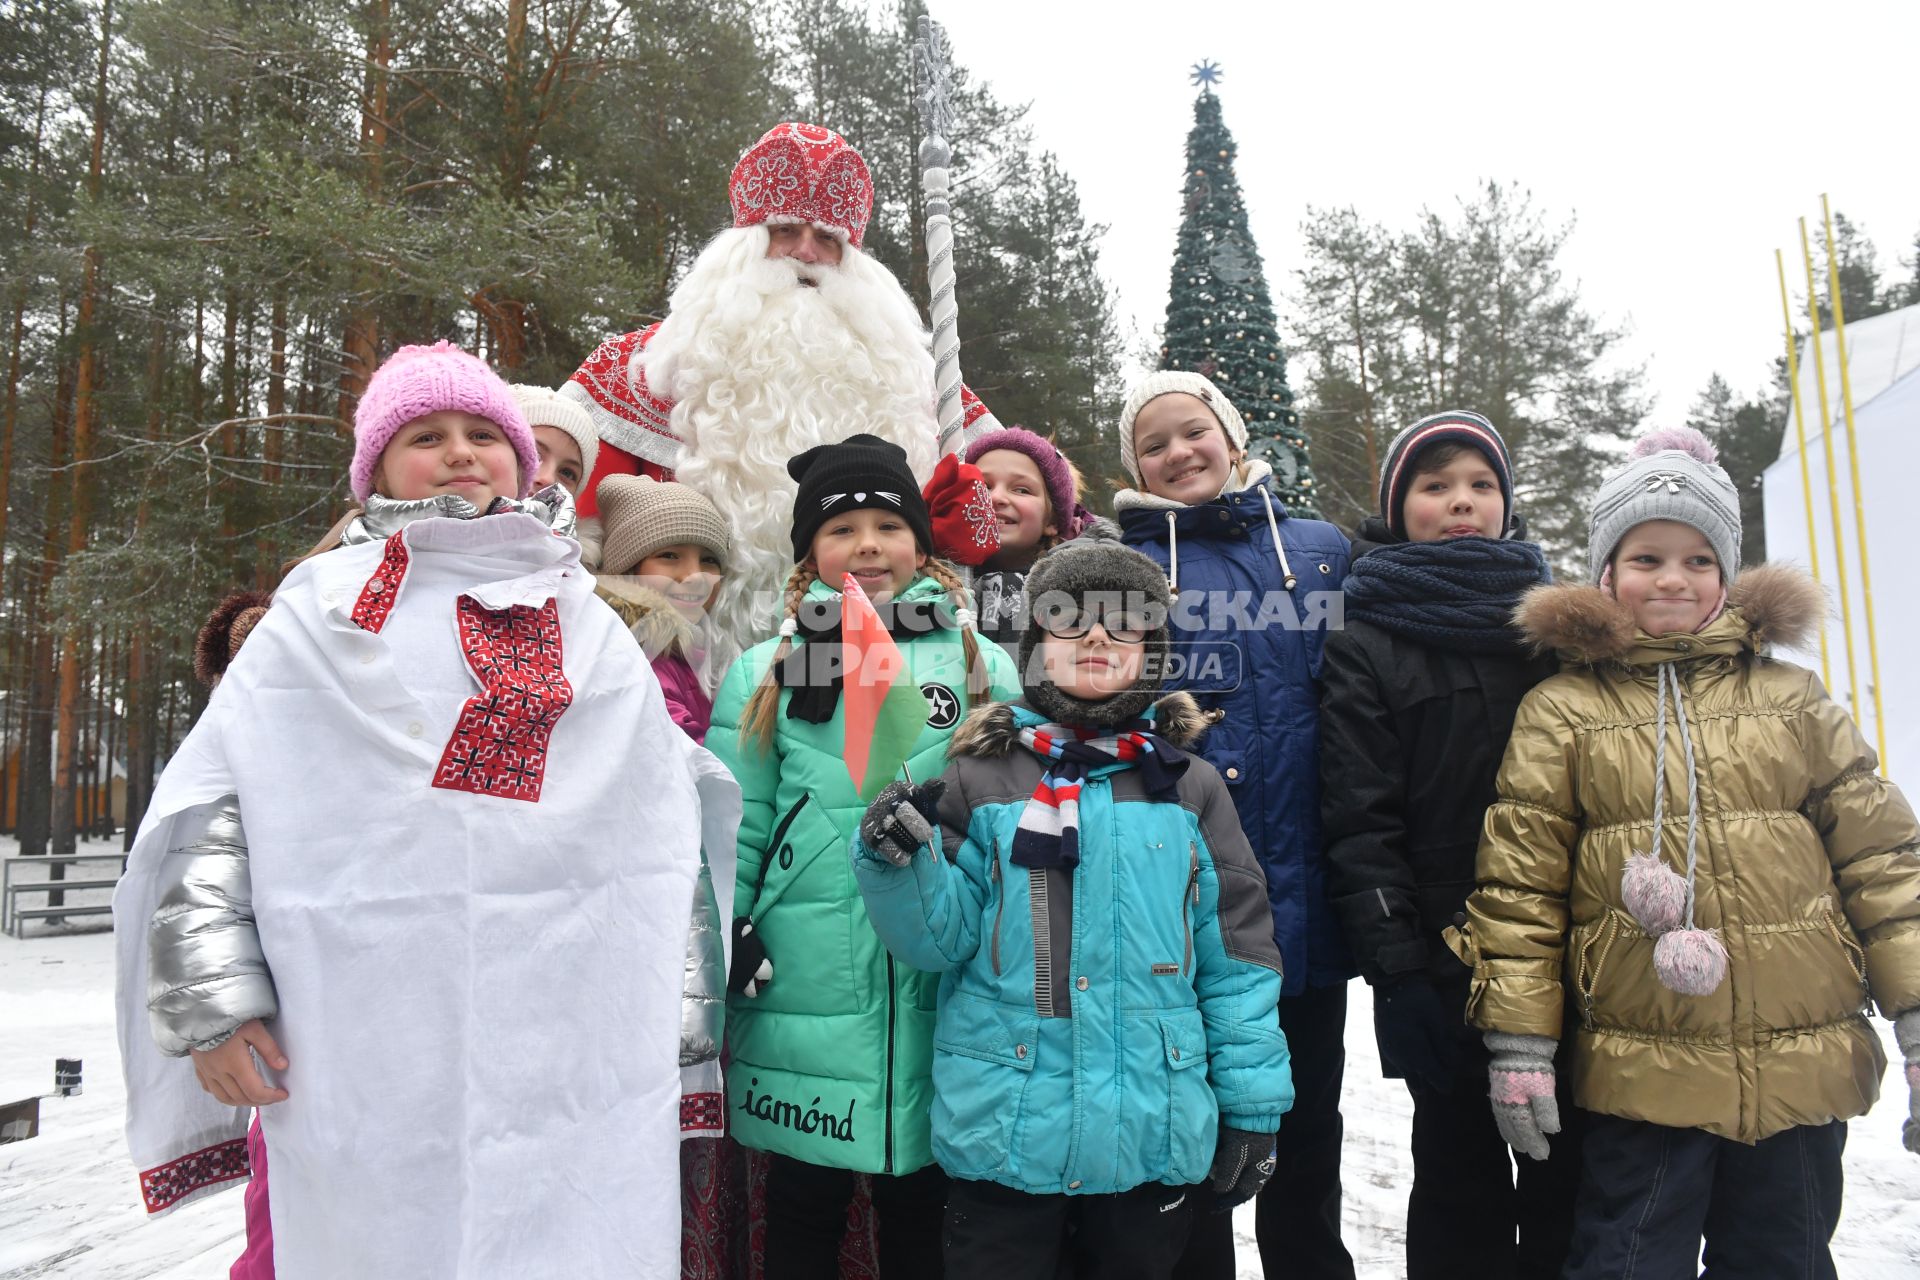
1524 1107
1906 1030
899 822
1242 1163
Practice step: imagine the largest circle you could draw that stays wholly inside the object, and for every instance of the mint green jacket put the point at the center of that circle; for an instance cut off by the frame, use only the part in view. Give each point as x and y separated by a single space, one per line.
832 1062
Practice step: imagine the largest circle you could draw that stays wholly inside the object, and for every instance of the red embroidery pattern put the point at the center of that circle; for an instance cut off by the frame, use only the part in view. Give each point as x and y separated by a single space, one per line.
972 407
615 395
977 514
702 1113
499 744
383 588
170 1183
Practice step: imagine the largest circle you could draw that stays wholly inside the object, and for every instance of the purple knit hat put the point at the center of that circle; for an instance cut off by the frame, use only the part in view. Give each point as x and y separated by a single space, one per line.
1068 514
417 381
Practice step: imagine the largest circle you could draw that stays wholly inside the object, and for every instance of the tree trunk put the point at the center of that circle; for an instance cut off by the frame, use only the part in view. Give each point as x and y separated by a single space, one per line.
17 340
80 514
361 340
139 699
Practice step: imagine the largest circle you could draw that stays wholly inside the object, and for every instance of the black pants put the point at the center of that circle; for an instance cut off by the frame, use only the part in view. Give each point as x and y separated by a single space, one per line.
1649 1193
1297 1216
997 1233
1472 1197
807 1216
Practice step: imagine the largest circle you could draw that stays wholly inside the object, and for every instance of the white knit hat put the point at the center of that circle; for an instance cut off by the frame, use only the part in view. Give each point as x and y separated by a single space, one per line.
545 407
1162 383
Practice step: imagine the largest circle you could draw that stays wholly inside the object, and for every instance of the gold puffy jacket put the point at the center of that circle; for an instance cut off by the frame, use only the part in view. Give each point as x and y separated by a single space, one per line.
1806 866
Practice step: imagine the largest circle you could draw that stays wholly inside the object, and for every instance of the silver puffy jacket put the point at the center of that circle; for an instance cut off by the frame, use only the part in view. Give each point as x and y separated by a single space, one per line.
206 974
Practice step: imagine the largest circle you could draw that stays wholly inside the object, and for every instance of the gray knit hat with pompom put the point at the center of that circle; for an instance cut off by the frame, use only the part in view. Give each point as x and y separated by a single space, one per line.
1671 474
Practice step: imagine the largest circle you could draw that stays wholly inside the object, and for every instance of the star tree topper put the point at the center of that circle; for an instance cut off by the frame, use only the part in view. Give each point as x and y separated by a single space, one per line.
1206 73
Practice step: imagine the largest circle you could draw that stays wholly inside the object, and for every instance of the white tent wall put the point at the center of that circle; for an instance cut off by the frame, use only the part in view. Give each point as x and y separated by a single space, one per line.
1884 361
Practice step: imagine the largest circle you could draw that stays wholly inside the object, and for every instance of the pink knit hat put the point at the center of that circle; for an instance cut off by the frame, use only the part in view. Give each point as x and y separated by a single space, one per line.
1062 495
417 381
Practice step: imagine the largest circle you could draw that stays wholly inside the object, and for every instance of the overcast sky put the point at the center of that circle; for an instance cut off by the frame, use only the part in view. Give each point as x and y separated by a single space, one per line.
1684 137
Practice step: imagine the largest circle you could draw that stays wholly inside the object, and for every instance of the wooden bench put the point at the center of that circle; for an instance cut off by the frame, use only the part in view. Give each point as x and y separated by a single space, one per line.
13 915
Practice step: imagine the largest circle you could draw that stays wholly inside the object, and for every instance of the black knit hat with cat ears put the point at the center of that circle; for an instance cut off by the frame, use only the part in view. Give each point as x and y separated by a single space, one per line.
862 471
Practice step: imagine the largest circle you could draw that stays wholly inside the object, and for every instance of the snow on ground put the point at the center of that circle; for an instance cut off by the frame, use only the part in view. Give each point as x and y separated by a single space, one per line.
69 1206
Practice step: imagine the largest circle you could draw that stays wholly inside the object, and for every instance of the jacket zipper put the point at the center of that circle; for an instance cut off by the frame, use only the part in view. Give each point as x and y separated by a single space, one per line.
773 848
1042 942
1186 913
999 906
890 1017
780 832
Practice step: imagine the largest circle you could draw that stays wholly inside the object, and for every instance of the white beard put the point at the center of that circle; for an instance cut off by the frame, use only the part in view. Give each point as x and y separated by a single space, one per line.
761 367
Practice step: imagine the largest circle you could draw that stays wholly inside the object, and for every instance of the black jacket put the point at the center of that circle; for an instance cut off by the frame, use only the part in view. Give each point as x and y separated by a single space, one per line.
1411 739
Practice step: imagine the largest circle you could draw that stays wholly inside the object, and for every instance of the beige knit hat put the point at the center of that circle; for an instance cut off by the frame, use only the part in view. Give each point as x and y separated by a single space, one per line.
546 407
1164 382
642 515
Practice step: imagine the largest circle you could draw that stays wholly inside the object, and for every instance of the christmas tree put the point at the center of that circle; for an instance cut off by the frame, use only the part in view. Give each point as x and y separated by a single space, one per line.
1219 314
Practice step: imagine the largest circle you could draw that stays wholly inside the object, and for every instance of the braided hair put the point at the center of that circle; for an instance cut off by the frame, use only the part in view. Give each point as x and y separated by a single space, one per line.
763 704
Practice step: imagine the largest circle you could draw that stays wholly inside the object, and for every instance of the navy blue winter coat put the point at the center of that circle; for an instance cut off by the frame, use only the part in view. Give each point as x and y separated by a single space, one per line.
1247 647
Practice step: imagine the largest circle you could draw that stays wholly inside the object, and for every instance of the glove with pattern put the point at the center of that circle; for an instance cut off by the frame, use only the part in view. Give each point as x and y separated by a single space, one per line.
1524 1107
899 822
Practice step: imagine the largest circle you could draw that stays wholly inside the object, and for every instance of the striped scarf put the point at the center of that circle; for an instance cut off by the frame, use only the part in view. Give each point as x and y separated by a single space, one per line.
1049 830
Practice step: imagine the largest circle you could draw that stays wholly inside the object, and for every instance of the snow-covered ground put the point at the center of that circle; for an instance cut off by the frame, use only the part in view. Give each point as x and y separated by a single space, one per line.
69 1206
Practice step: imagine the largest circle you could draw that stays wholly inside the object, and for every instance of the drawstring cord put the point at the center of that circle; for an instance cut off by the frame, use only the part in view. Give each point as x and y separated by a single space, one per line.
1665 676
1287 579
1173 555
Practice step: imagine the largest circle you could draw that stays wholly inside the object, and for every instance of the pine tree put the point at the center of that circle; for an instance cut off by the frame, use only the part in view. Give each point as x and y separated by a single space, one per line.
1219 314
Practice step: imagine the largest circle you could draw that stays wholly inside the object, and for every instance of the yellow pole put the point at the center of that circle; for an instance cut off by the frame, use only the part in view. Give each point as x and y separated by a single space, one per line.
1833 481
1853 465
1800 435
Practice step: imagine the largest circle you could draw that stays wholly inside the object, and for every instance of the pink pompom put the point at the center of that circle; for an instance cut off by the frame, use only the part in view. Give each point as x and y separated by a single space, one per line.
1684 439
1692 962
1655 894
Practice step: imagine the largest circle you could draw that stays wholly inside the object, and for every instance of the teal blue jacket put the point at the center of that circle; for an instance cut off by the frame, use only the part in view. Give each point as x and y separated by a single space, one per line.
1096 1025
831 1063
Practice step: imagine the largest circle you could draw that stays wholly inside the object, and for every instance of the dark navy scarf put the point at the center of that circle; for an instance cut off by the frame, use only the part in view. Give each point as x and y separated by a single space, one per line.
1459 594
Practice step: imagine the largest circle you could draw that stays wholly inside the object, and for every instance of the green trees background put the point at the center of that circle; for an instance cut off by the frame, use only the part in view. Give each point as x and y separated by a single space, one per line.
221 214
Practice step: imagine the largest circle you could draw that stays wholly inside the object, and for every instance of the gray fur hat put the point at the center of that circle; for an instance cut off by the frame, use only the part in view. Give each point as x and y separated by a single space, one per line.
1672 473
1095 571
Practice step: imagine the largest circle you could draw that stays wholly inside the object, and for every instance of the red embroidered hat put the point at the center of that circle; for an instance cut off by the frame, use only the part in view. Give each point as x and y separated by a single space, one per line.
803 173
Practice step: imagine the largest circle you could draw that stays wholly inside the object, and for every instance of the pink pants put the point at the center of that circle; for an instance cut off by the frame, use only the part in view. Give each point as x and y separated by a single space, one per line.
256 1262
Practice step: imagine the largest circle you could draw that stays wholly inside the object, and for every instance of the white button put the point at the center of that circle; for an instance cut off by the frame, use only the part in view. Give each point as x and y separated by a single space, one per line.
330 596
1175 1051
1019 1051
415 729
1074 1185
1232 773
366 659
1082 984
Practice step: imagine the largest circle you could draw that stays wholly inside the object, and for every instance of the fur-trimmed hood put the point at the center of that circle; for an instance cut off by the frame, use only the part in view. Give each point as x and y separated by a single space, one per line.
990 731
1766 606
655 623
